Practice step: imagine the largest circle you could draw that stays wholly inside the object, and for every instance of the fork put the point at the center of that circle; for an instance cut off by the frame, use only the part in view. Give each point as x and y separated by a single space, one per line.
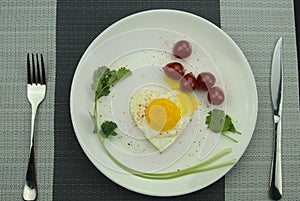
36 90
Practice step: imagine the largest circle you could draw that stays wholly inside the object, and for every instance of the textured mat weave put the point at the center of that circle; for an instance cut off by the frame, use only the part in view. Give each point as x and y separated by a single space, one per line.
26 26
256 26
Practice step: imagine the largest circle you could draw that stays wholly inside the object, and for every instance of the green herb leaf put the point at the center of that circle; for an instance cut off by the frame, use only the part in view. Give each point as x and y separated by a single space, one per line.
123 72
228 125
98 74
108 128
215 120
104 78
219 122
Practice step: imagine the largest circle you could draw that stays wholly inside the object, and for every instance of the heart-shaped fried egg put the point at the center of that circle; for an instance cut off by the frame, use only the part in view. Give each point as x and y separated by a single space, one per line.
161 114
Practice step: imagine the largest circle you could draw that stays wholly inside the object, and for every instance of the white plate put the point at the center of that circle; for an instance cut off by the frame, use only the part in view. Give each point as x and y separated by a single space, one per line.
241 95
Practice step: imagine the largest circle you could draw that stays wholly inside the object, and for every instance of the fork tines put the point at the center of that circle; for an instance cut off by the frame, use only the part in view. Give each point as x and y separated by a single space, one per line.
35 69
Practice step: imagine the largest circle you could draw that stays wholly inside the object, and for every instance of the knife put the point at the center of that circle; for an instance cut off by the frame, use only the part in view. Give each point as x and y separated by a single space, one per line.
277 93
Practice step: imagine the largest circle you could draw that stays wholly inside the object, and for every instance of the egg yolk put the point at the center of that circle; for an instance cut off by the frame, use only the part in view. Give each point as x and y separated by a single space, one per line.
162 114
188 102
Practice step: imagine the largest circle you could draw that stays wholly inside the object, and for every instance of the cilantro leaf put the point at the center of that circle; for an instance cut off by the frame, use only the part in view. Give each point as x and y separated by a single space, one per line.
116 76
104 78
123 72
108 128
219 122
215 120
228 125
98 74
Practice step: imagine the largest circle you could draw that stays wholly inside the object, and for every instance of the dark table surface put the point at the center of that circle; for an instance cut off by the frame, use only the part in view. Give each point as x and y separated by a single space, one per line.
84 29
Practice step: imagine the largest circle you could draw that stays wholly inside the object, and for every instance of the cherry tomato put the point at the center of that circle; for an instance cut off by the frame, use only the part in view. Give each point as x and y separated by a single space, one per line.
215 95
174 70
206 80
188 83
182 49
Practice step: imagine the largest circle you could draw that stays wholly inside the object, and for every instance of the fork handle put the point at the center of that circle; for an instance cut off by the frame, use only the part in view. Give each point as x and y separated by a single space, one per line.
30 188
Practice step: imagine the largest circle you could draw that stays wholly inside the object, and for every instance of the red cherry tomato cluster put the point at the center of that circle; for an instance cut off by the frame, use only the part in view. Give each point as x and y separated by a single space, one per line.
188 82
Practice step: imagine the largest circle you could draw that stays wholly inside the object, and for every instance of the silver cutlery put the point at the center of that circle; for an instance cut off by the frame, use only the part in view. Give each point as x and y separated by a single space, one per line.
36 90
277 93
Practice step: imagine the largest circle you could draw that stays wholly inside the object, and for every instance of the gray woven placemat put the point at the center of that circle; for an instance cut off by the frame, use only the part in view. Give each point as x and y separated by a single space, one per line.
256 26
26 26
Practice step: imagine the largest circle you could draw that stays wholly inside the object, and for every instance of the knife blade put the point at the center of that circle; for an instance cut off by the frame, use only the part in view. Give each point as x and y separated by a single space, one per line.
277 96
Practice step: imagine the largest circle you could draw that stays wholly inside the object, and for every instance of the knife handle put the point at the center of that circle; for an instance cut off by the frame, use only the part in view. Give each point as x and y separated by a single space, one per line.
276 174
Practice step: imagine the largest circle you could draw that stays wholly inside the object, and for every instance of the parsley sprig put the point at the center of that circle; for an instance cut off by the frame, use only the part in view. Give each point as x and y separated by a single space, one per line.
219 122
103 79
